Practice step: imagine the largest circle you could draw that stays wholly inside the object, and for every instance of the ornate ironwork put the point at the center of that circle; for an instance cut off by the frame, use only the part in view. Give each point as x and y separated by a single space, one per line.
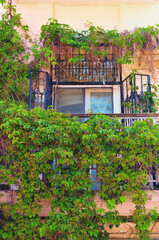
90 70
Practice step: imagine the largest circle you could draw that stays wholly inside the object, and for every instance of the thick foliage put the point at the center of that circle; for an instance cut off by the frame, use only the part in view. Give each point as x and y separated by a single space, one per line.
63 149
14 70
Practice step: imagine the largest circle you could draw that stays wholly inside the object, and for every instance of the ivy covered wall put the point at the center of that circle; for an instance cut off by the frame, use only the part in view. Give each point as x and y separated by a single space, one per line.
64 150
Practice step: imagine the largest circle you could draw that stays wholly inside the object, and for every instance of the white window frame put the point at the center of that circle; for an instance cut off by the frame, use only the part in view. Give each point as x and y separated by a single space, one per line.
96 90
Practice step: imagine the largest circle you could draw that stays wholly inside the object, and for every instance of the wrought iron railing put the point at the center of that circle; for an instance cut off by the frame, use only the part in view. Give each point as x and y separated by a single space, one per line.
136 94
127 119
89 70
40 89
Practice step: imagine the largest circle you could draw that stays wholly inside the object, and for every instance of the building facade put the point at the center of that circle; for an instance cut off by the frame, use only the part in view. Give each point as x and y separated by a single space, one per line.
97 85
92 85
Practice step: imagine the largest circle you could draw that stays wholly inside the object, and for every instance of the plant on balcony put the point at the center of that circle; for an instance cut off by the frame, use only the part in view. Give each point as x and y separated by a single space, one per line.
61 38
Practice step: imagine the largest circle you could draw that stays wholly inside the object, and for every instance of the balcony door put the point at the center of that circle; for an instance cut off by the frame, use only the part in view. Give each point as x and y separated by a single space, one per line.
99 100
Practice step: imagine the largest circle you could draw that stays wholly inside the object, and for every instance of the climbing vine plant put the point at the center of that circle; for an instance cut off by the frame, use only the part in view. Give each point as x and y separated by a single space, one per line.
14 68
60 38
63 150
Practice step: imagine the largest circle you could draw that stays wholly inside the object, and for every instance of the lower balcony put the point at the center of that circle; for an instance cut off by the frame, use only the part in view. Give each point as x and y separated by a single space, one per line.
131 95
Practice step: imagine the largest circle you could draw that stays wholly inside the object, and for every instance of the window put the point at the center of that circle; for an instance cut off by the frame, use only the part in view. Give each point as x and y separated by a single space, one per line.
69 100
94 177
99 100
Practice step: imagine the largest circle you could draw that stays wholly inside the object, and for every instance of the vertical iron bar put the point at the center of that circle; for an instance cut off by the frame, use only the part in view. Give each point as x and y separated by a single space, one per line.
132 95
69 70
92 71
106 69
38 91
54 95
127 95
50 89
99 71
135 93
82 67
103 67
121 91
31 81
96 71
59 69
62 72
66 69
113 68
72 69
45 92
142 93
139 103
86 68
41 100
79 70
34 100
149 91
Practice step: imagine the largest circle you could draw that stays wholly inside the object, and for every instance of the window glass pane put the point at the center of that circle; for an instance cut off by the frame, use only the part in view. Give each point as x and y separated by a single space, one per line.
69 100
97 184
101 102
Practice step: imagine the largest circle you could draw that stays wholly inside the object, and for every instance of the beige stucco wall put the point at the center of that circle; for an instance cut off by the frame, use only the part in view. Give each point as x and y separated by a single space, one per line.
138 15
76 16
109 16
34 15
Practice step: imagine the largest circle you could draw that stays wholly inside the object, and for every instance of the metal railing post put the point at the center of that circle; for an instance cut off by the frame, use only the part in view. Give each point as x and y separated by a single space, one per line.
121 91
31 81
45 92
149 90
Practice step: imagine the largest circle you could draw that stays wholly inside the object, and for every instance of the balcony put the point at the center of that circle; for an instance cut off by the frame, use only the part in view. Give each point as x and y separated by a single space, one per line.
80 87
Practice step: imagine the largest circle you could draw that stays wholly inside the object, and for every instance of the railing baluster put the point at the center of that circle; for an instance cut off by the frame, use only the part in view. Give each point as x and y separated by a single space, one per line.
38 91
135 94
149 90
140 99
31 88
99 73
86 69
79 65
92 72
41 100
